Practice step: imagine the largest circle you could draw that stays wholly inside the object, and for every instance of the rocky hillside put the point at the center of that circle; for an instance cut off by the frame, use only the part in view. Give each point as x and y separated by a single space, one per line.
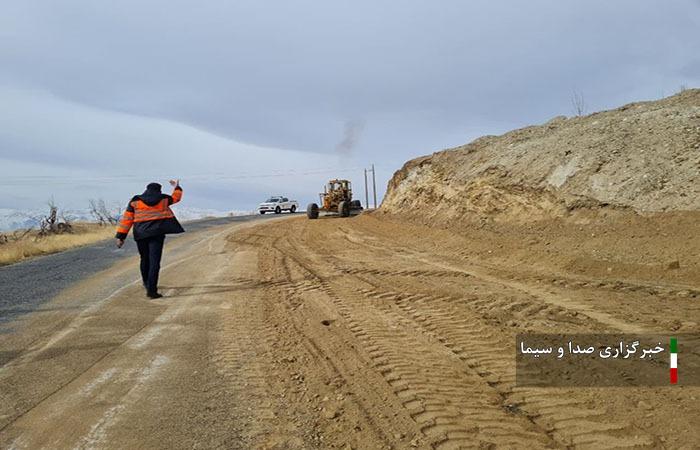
643 157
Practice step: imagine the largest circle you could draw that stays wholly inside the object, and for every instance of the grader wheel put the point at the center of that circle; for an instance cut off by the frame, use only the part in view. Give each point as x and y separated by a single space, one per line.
312 211
344 209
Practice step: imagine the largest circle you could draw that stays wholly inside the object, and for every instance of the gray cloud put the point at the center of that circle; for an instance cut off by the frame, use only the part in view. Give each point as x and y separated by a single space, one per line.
171 86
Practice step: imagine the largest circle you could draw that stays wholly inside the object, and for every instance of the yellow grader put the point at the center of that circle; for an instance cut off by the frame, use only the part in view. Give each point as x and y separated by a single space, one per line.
336 197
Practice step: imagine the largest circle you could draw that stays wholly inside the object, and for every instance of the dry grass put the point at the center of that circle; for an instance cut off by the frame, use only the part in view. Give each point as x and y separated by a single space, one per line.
29 246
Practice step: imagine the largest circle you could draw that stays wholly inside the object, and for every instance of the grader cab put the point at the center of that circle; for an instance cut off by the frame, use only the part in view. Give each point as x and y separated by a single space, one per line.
336 197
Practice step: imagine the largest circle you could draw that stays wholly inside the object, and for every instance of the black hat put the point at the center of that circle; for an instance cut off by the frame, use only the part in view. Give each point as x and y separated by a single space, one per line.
154 187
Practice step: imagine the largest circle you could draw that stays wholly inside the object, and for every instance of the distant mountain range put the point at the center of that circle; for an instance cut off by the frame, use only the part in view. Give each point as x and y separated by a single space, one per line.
15 219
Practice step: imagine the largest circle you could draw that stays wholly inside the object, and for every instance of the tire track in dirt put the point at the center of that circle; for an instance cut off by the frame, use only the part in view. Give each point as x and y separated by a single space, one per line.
479 347
556 299
406 273
240 353
367 399
568 421
332 396
576 293
478 344
240 348
498 303
327 368
452 405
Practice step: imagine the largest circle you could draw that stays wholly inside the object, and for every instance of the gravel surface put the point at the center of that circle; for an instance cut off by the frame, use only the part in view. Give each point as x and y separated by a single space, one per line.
27 285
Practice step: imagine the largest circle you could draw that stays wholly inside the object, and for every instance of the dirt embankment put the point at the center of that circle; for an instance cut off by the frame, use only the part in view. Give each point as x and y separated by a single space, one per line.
614 195
642 157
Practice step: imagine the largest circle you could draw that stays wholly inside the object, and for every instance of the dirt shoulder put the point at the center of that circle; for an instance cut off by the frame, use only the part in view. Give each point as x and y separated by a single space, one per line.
343 333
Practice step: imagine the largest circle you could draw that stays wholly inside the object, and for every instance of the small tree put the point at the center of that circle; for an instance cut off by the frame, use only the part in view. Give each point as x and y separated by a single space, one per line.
112 215
579 103
102 214
96 213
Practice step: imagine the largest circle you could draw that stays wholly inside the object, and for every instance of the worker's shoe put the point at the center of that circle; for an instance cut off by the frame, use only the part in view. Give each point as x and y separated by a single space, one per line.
154 295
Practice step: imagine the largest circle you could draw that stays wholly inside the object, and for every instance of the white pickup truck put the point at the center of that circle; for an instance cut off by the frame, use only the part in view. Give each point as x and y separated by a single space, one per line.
278 204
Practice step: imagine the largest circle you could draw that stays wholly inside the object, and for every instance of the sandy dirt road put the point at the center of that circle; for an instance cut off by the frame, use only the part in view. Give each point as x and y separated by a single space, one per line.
357 333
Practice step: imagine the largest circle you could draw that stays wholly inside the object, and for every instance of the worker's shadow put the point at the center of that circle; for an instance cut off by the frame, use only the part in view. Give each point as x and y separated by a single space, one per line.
197 290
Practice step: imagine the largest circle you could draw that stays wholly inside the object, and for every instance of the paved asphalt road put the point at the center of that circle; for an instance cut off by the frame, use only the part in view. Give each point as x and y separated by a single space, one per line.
26 285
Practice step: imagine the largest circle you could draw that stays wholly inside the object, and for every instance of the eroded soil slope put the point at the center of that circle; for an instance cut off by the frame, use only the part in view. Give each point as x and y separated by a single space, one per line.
643 157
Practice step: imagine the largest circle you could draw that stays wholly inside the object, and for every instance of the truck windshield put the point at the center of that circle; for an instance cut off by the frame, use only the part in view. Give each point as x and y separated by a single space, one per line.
272 200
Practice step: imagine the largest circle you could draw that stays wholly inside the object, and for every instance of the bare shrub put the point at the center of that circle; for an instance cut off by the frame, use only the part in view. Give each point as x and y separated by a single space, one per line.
102 214
51 224
579 103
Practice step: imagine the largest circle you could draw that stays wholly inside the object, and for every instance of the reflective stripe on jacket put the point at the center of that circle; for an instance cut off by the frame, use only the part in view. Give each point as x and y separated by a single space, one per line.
144 213
152 219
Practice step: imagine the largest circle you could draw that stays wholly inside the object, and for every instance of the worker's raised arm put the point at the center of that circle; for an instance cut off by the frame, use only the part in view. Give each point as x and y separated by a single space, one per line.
125 223
177 192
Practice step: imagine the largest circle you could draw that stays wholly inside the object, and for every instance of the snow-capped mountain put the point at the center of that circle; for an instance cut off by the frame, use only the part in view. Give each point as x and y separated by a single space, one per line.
14 219
184 213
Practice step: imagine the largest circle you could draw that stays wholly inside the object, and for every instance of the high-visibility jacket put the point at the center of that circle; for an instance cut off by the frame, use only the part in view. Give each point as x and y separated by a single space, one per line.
150 215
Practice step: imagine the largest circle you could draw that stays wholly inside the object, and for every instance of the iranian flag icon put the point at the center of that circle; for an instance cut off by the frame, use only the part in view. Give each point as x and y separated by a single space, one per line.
674 361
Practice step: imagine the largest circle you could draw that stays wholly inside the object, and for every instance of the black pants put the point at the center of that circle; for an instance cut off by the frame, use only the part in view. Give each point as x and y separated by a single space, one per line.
151 250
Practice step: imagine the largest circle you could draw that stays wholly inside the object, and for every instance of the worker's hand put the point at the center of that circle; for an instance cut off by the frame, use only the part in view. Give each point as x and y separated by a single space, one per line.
174 183
120 242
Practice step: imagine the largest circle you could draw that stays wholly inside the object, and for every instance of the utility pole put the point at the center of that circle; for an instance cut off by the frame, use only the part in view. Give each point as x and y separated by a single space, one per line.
374 188
366 191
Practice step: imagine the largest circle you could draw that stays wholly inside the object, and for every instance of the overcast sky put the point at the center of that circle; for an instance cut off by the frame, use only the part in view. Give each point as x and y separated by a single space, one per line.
242 99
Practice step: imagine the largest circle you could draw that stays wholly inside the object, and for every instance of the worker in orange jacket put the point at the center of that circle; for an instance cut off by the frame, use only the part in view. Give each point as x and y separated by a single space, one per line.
152 219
